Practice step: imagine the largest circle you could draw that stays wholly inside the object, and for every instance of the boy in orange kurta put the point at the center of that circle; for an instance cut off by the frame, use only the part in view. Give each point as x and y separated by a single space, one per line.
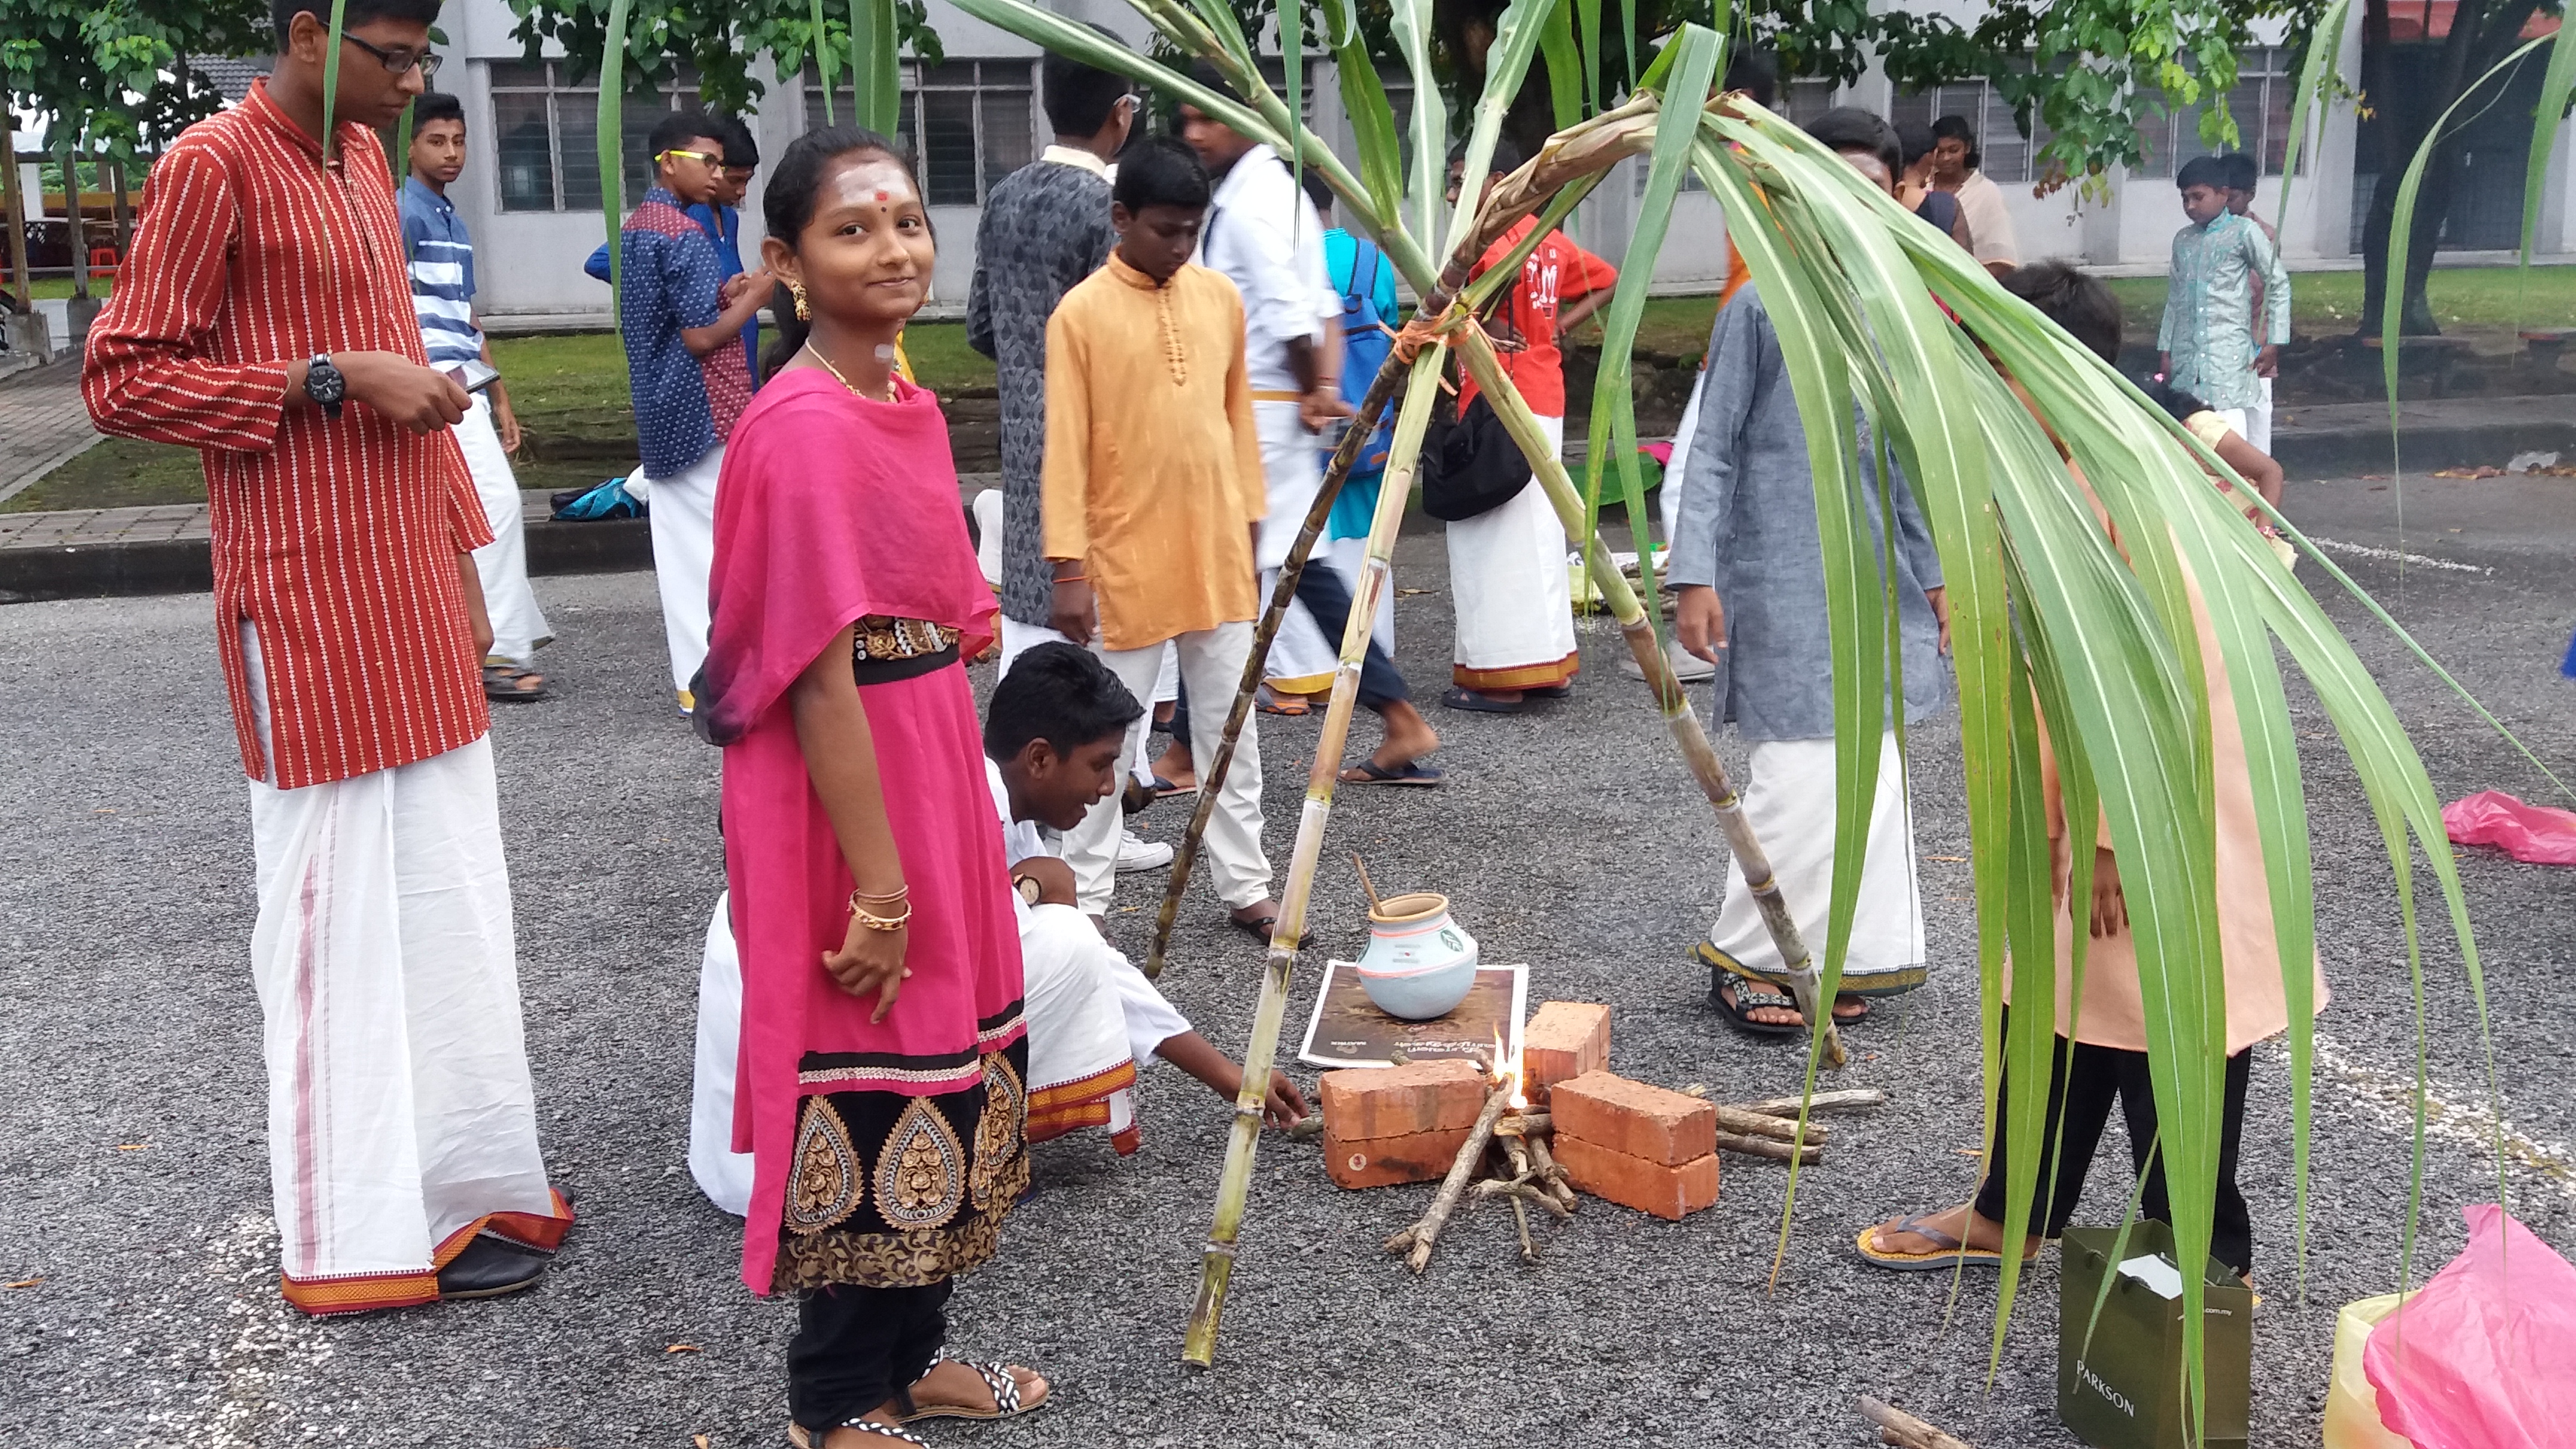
2102 1056
1152 490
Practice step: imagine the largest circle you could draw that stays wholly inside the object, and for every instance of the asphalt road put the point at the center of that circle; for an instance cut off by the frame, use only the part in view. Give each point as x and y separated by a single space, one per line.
134 1190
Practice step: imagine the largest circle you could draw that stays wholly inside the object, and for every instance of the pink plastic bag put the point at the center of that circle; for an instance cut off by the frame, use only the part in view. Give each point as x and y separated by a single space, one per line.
2535 833
2485 1356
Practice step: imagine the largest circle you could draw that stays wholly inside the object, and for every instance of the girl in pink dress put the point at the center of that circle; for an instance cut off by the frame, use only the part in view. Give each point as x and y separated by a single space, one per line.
883 1061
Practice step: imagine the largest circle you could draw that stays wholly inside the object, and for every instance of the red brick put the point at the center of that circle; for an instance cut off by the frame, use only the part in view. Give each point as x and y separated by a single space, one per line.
1660 1126
1384 1161
1650 1187
1363 1103
1564 1039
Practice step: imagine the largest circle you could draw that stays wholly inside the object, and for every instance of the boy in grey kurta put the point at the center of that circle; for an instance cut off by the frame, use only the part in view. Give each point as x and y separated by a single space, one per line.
1044 228
1749 567
1747 549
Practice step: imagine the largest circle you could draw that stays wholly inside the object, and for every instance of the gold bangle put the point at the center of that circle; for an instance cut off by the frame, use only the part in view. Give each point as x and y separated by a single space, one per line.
892 897
882 923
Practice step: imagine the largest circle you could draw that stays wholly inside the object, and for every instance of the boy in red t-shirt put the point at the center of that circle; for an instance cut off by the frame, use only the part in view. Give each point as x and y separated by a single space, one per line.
1507 569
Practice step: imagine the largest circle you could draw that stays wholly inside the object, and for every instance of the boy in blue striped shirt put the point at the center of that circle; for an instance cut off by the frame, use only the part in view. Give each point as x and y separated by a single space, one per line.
440 255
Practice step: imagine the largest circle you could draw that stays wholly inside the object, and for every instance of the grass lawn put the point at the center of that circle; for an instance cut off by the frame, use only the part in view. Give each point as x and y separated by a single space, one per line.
564 387
62 286
2495 300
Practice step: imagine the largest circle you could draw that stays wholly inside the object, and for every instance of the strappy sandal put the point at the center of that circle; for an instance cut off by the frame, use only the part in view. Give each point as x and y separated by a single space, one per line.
802 1438
1750 996
997 1377
508 682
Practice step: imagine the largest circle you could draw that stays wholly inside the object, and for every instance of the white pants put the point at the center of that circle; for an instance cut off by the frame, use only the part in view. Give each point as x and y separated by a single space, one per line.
2258 420
1211 664
519 627
683 512
1789 801
1301 658
1507 573
1669 501
399 1104
1349 558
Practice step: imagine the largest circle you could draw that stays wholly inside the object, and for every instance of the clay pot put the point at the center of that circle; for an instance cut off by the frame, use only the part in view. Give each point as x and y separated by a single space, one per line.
1419 963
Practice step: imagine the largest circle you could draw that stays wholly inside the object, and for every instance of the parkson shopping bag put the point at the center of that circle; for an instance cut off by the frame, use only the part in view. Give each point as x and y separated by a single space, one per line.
2124 1388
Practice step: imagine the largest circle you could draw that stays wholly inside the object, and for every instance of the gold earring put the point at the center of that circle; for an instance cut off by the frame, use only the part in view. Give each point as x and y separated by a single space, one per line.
797 291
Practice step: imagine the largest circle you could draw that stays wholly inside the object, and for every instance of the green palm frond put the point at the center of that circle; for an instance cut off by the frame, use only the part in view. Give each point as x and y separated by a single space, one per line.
2102 646
612 149
876 65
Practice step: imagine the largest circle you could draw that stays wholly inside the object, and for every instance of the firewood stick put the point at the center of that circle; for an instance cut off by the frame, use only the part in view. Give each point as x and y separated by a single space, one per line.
1849 1099
1526 1189
1759 1124
1525 1124
1520 1217
1518 1152
1768 1147
1896 1426
1551 1175
1445 1202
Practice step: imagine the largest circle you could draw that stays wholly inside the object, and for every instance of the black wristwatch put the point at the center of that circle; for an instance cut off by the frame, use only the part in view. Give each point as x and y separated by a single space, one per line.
324 384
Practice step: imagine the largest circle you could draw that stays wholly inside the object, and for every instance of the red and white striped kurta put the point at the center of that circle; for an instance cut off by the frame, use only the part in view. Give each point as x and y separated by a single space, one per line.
339 540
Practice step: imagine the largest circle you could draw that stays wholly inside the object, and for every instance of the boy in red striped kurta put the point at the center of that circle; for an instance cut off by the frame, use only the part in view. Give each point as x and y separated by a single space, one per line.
263 317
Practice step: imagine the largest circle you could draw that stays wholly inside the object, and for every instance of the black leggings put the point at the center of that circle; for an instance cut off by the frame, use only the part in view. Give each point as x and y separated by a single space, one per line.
855 1346
2082 1089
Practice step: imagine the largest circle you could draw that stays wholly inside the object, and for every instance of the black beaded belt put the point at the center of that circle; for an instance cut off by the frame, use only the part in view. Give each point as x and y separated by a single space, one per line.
911 666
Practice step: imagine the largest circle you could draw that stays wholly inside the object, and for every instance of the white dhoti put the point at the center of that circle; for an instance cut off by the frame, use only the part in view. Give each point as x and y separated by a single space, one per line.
2258 419
1669 497
1301 659
401 1118
1094 1022
519 627
683 514
1211 665
1349 558
1515 602
1789 802
723 1174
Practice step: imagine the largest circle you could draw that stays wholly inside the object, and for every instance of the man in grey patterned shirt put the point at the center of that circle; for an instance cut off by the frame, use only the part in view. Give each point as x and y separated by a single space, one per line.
1044 228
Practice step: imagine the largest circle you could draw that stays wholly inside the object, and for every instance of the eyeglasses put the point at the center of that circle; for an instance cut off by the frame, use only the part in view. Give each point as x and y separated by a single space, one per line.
715 161
398 61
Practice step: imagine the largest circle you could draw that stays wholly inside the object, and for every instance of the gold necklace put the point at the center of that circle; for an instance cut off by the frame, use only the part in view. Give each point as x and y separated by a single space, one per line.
845 382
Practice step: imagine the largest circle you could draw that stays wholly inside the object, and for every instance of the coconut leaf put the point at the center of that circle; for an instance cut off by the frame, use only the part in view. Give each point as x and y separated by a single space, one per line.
1699 56
2323 44
612 147
826 68
876 66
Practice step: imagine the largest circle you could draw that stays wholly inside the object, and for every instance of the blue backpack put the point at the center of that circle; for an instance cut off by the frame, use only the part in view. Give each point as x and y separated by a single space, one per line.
1365 348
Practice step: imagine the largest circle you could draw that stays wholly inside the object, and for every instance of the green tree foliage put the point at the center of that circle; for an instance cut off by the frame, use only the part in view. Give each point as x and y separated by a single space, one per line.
115 73
721 41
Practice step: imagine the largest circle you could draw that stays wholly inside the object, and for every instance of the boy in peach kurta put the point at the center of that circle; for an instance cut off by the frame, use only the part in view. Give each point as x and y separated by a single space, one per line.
1152 489
2102 1052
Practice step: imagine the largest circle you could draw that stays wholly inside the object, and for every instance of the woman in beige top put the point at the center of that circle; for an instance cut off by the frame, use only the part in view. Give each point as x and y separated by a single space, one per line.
1981 202
2106 1058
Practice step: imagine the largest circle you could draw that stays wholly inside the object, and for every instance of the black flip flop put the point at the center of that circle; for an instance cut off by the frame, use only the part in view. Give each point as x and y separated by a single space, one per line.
1165 789
1258 927
1411 772
1750 996
502 682
1553 691
1474 703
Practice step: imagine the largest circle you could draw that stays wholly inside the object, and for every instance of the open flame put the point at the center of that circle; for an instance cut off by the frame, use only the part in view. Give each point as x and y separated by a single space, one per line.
1507 1065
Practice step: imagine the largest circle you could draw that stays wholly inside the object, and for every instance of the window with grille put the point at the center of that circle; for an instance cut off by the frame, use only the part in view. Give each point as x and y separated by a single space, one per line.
546 135
967 123
2260 103
2004 154
1810 97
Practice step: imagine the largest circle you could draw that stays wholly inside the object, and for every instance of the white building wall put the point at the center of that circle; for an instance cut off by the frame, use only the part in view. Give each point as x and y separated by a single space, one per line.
531 261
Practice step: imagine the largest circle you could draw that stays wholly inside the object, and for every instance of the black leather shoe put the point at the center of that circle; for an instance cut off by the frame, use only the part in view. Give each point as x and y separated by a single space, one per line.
489 1268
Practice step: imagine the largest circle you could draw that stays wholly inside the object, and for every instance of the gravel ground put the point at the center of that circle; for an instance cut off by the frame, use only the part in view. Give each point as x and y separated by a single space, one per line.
131 1097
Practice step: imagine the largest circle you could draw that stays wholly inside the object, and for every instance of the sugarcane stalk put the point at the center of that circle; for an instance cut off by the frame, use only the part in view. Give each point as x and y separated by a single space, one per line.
1805 980
1242 1145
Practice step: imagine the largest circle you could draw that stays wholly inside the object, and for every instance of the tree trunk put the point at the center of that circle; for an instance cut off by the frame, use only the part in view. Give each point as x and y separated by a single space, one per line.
14 205
78 233
2478 39
123 212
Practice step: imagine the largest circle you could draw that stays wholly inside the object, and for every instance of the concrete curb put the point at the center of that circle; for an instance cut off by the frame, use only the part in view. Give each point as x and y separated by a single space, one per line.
2324 453
186 565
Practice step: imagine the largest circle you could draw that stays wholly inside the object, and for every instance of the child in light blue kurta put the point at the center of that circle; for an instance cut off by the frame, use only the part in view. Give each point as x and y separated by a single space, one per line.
2208 344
